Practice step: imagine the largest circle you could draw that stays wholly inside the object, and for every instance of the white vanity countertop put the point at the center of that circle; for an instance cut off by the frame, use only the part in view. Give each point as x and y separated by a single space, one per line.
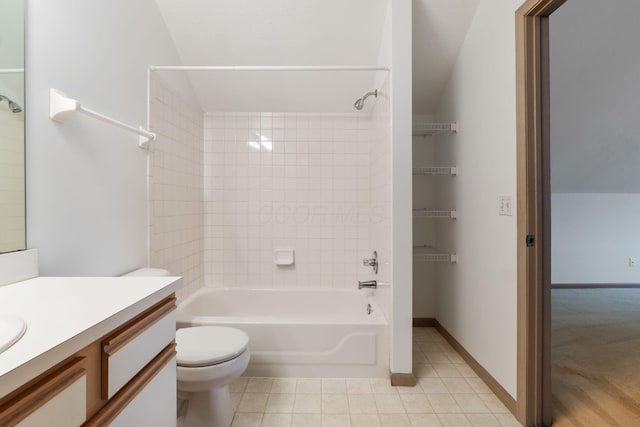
65 314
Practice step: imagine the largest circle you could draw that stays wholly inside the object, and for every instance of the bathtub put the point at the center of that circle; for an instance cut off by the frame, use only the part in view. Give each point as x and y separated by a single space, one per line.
298 332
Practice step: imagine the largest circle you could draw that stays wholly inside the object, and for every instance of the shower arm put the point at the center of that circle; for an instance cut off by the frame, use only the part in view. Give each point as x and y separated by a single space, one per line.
368 94
359 104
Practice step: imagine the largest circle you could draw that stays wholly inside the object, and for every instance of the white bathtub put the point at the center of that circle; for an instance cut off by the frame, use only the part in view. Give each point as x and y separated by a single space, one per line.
298 333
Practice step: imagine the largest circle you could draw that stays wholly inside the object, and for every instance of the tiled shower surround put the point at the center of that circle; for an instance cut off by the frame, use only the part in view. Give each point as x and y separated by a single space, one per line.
227 189
175 186
12 232
289 181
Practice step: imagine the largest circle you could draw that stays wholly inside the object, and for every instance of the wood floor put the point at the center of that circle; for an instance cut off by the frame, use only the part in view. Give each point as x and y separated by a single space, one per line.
596 357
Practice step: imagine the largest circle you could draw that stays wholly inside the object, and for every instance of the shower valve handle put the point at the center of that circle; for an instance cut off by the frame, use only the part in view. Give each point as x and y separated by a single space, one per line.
372 262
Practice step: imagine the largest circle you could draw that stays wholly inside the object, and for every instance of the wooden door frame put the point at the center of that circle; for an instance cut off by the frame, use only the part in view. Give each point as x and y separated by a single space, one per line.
533 407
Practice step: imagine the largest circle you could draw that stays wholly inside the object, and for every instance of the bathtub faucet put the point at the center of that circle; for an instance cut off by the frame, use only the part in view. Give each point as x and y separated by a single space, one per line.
370 284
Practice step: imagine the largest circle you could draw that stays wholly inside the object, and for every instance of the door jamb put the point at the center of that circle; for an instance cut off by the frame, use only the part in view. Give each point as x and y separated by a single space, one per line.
533 406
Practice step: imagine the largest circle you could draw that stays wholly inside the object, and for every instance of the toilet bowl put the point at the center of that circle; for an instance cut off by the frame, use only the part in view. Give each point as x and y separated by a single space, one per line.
208 359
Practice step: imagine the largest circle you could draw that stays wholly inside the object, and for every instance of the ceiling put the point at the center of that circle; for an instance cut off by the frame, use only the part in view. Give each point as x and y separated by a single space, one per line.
595 112
594 79
439 29
277 32
310 32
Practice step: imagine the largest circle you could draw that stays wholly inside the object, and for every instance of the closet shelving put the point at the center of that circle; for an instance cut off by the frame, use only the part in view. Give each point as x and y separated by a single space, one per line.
436 170
429 129
428 253
429 213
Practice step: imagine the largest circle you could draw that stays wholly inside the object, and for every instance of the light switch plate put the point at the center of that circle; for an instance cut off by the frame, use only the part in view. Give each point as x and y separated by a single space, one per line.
505 205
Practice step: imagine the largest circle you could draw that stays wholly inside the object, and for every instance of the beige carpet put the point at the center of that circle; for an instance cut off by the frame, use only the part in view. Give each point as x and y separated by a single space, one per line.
596 357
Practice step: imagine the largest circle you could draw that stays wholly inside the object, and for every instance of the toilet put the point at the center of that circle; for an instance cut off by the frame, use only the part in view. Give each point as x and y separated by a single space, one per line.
208 359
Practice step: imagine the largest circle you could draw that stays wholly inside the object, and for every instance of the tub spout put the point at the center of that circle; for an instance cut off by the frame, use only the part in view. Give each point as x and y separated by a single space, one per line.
370 284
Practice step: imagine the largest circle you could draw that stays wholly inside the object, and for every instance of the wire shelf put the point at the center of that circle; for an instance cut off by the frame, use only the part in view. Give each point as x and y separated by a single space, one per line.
429 254
427 213
428 129
436 170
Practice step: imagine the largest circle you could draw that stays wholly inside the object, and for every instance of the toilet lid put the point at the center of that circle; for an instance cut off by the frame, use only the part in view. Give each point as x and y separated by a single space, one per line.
209 345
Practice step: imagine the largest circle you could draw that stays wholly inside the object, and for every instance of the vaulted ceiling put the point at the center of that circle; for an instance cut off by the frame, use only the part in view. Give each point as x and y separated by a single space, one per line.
439 28
595 93
594 77
278 32
310 32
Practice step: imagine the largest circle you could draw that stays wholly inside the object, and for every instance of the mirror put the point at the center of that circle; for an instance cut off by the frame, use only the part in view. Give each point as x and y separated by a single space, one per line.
12 162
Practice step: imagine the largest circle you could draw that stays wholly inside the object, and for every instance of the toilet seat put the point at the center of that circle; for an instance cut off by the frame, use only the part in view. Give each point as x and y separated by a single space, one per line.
209 345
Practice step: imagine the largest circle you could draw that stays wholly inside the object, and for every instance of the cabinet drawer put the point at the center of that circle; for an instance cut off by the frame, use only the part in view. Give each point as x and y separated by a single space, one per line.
155 405
128 350
57 400
149 399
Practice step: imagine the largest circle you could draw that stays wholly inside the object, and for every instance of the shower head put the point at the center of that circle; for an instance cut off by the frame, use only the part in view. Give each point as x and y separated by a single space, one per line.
359 104
15 108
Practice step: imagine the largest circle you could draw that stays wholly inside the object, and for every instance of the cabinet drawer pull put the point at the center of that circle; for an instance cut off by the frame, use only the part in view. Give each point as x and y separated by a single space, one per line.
132 347
137 326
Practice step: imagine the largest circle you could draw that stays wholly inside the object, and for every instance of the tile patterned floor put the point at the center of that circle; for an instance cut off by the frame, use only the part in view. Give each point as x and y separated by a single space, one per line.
448 393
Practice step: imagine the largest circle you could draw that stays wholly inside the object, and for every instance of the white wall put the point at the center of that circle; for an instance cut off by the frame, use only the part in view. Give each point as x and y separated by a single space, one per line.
402 253
380 196
593 236
476 298
86 181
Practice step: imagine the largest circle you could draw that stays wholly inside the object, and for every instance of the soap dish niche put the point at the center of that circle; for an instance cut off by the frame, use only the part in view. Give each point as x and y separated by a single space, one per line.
283 257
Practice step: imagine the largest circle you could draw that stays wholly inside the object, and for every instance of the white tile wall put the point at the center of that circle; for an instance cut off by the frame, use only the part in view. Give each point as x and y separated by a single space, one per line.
175 186
287 180
316 183
12 210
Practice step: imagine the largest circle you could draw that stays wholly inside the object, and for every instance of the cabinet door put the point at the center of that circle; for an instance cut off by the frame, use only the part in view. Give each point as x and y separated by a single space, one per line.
132 347
155 405
58 400
67 408
149 399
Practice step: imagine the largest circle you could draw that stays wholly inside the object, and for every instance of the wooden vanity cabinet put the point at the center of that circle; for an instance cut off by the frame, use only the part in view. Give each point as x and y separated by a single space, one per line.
126 378
58 397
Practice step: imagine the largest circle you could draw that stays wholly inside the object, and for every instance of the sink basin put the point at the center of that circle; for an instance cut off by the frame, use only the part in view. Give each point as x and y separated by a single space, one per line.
12 328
